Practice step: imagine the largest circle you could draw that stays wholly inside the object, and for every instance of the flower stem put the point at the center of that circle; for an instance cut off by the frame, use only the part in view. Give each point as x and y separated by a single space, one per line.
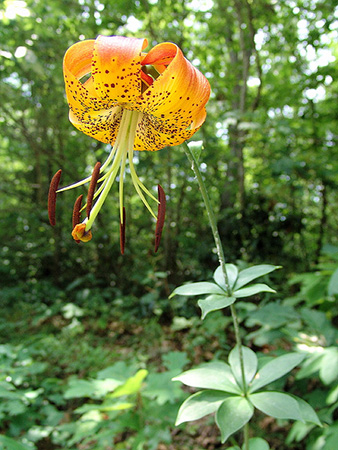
246 436
220 253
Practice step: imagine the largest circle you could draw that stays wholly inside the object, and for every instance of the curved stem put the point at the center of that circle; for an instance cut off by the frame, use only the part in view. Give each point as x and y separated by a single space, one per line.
220 253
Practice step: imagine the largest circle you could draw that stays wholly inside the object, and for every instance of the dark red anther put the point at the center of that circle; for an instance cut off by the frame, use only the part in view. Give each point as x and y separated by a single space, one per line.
53 187
160 216
77 213
92 186
123 231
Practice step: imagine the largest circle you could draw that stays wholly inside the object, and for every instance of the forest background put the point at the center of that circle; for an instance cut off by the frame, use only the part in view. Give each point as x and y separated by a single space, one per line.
71 311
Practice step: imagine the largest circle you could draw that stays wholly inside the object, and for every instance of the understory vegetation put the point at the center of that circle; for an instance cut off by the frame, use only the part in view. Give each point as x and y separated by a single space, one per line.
90 340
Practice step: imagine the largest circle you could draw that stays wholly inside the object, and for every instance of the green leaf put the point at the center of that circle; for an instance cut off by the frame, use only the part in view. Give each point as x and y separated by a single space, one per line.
160 387
307 413
6 391
92 388
131 386
311 365
277 404
175 360
275 369
199 405
257 444
333 284
254 444
214 375
11 444
119 371
214 302
250 363
329 365
201 288
104 407
247 275
232 415
272 315
232 273
252 290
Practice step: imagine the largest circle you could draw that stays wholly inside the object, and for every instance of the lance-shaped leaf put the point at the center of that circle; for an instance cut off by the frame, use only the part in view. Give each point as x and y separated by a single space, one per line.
306 411
232 415
277 404
199 405
131 386
214 375
333 283
232 273
201 288
214 302
251 273
252 290
249 362
275 369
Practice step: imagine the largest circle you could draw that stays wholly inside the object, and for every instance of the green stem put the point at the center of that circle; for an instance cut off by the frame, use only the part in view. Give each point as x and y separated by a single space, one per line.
220 253
246 436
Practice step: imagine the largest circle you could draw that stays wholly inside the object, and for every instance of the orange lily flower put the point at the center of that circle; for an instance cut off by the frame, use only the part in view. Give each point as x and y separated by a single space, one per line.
132 100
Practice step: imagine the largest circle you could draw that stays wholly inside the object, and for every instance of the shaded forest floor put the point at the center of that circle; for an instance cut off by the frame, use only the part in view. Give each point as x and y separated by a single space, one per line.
47 348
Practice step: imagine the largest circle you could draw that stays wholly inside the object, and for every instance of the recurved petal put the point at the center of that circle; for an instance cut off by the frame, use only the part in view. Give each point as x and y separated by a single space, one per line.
152 134
77 64
116 66
178 96
102 125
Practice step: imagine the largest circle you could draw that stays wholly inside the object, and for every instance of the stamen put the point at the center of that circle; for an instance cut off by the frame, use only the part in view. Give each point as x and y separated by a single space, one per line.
137 182
92 186
77 213
52 197
112 172
160 216
123 231
86 180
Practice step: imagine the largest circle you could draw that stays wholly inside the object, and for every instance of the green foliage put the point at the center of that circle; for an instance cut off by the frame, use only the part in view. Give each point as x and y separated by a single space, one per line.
224 292
117 402
228 394
254 444
77 316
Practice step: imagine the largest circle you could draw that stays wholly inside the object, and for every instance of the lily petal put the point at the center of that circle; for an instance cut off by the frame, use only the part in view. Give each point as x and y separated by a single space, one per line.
153 134
116 67
179 94
102 125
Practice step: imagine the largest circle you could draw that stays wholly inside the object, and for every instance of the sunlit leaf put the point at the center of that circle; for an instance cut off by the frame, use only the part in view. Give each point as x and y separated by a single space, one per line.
307 413
201 288
214 302
277 404
131 386
251 273
214 375
249 363
232 273
199 405
275 369
232 415
252 290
